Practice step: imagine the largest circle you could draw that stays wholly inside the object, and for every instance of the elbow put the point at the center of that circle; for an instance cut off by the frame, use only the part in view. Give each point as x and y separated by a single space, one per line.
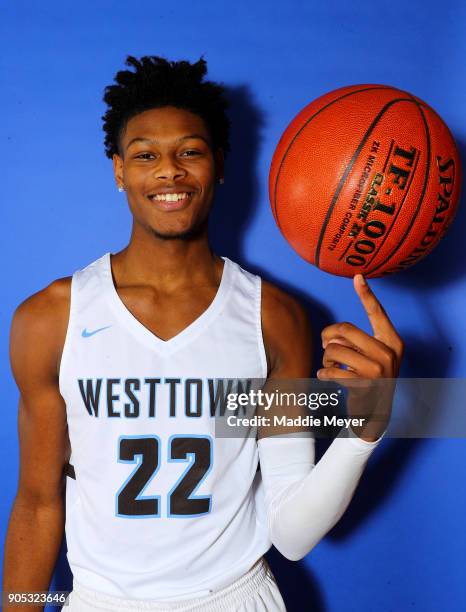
37 501
293 555
294 544
293 551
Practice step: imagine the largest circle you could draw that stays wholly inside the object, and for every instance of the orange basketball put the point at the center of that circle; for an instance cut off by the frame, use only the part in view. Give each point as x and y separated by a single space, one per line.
365 179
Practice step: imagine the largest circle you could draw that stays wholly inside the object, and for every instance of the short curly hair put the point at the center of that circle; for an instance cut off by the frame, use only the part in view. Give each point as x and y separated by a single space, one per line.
157 82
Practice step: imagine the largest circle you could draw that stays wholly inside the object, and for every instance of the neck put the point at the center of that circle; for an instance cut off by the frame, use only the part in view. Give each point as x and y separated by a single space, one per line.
167 265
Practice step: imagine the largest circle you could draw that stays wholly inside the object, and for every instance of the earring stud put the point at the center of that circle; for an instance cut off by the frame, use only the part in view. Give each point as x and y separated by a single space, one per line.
120 188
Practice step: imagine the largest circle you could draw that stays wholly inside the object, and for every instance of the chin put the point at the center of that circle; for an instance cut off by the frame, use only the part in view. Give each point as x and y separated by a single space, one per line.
177 234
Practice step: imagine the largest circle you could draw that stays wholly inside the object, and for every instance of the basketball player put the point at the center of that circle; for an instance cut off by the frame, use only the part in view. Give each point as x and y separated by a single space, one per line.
160 514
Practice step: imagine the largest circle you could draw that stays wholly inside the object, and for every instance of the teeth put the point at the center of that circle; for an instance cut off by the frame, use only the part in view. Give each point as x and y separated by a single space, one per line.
170 197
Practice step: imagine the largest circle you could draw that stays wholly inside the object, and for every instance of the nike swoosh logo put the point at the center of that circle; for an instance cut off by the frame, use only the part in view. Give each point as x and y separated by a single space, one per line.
86 334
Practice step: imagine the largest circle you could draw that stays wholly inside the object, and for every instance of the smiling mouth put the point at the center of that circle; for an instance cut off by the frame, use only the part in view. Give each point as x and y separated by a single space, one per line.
171 201
170 197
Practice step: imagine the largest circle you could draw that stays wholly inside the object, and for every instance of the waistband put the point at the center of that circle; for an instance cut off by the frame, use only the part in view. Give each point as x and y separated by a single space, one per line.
222 600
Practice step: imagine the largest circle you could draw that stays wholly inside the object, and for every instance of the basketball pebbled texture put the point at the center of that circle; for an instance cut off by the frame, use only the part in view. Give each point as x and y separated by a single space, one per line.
366 179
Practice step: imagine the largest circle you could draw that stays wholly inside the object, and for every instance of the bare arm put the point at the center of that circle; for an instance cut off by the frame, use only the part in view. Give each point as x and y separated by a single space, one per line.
288 346
36 525
287 334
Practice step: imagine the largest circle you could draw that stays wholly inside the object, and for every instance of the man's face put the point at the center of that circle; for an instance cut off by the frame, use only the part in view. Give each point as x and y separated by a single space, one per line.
167 151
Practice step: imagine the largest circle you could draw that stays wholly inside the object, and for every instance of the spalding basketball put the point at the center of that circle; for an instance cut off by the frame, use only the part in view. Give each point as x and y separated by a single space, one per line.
365 179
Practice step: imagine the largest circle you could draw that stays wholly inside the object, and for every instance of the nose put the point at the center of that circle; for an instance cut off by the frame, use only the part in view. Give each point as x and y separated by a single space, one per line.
169 168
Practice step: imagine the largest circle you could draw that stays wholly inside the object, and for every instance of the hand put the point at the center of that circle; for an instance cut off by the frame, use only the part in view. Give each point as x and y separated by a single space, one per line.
366 358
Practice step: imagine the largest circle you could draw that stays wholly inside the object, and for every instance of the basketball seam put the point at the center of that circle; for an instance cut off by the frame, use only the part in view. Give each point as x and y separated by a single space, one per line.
349 168
424 189
351 93
384 239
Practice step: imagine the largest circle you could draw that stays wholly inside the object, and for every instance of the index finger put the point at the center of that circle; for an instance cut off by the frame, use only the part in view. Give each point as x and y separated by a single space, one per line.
381 325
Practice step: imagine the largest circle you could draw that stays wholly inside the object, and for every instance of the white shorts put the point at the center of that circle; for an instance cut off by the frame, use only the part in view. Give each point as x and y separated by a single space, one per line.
255 591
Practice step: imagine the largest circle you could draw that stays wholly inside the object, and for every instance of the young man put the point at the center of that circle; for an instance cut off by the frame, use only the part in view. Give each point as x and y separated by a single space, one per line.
159 513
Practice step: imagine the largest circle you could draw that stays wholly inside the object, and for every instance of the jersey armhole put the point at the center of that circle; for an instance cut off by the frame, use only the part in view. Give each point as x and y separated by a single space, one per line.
260 336
66 345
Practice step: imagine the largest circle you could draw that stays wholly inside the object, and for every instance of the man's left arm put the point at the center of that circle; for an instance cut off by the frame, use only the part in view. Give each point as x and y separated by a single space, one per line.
305 500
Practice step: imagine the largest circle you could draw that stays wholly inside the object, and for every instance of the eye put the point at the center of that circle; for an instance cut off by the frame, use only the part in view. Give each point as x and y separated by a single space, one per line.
192 152
143 156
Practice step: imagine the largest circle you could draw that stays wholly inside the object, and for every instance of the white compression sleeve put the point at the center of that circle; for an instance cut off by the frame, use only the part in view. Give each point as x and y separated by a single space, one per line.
305 500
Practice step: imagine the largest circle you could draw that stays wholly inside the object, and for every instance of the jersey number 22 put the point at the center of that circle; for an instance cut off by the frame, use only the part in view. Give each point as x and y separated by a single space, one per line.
146 451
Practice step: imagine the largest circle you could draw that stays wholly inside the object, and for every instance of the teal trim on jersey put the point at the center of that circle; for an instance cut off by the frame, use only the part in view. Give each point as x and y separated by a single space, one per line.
192 462
139 459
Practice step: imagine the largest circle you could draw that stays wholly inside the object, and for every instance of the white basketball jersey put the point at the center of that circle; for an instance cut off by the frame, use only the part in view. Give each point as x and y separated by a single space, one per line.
157 507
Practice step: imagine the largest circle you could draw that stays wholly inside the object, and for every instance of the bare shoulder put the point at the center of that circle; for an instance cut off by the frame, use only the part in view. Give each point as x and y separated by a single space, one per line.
45 304
38 329
286 332
278 304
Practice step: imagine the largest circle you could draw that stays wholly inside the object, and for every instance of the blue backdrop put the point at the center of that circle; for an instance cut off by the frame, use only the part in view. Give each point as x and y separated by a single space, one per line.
401 545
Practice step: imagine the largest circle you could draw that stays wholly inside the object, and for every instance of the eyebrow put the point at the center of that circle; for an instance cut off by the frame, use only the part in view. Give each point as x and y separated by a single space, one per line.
153 141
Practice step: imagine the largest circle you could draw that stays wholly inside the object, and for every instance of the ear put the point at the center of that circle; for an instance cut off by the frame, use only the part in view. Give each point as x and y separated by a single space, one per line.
219 163
118 169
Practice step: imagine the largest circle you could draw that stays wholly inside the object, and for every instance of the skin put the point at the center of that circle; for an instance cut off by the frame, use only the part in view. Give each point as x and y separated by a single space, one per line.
375 358
165 298
36 525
